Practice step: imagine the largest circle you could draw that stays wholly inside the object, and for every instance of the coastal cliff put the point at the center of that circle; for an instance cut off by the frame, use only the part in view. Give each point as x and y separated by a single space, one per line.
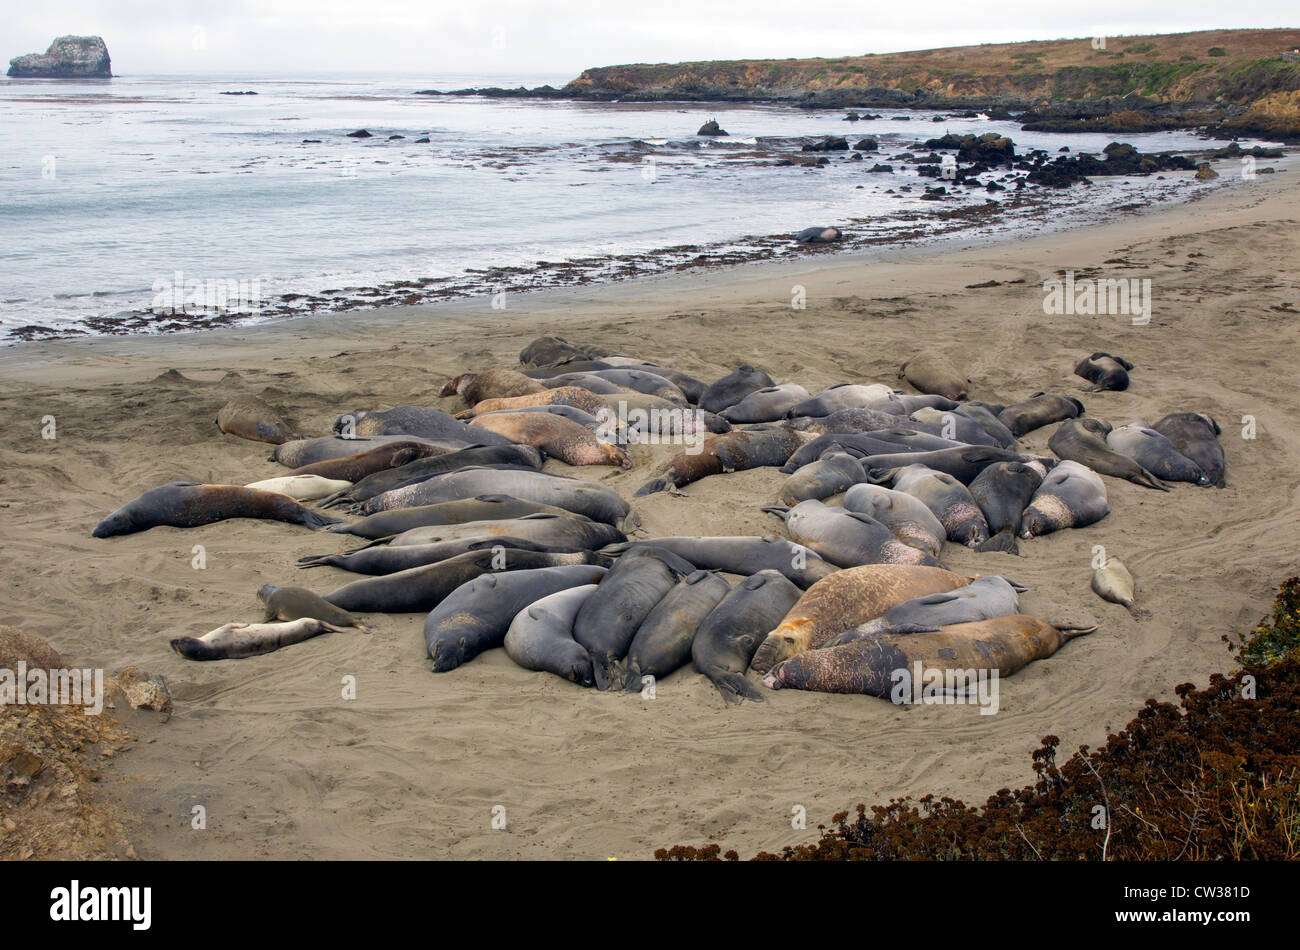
69 57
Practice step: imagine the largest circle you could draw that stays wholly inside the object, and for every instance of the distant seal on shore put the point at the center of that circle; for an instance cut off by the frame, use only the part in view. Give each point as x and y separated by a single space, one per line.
234 641
490 384
726 640
1071 496
1039 410
865 444
819 236
1155 453
731 452
663 640
766 405
982 599
1084 441
556 436
303 452
301 487
250 418
741 554
540 637
386 559
734 387
1105 371
933 374
353 468
295 603
1112 581
846 538
1195 435
420 470
643 381
549 350
191 504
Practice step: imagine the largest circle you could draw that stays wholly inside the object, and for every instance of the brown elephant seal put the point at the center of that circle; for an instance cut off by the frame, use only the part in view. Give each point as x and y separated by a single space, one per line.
1039 410
935 375
234 641
294 603
984 599
250 418
575 396
731 452
1084 441
1155 453
353 468
491 384
1071 496
555 435
662 643
1112 581
846 538
886 665
846 599
734 387
1105 371
191 504
727 638
1196 436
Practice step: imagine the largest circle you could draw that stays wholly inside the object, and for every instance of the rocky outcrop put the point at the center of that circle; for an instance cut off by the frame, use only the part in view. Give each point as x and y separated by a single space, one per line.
711 128
69 57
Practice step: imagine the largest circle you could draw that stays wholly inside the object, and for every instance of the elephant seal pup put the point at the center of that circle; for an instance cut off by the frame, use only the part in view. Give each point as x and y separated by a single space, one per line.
250 418
731 452
353 468
412 473
1084 441
1112 581
302 487
575 396
492 384
1196 436
983 599
907 517
234 641
550 350
841 396
663 642
556 436
766 405
386 559
1039 410
989 422
742 554
1071 496
935 375
564 529
950 658
834 472
818 236
1105 371
294 603
610 618
1155 453
191 504
476 616
540 637
955 426
949 500
725 642
409 421
583 498
845 600
302 452
1002 491
847 538
962 463
864 444
480 508
734 387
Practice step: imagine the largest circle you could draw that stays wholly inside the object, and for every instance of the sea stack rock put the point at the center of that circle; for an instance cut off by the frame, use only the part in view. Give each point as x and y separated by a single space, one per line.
69 57
711 128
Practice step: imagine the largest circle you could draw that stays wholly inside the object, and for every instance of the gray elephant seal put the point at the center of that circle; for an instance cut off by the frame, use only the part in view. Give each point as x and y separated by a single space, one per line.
982 599
295 603
386 559
1196 436
563 529
1105 371
251 418
353 468
1002 491
476 616
234 641
726 640
959 427
1155 453
1084 441
911 521
989 422
663 641
734 387
935 375
963 464
847 538
191 504
902 404
841 396
741 554
413 421
412 473
1039 410
766 405
949 499
550 350
303 452
593 384
643 381
834 472
865 444
691 387
819 236
540 637
386 524
1071 496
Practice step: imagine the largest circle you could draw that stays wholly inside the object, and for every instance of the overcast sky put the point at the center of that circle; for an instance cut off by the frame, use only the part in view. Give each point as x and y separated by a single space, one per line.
323 37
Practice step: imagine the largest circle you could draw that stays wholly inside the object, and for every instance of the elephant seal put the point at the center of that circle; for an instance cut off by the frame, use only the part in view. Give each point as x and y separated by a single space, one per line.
983 599
911 521
301 487
540 637
1071 496
853 419
742 554
191 504
989 422
834 472
935 375
818 236
1112 581
1196 436
609 620
353 468
491 384
250 418
480 508
476 616
865 444
575 396
902 404
847 538
550 350
386 559
566 529
568 412
295 603
1105 371
643 381
1002 491
303 452
963 464
949 500
412 473
425 587
734 387
958 427
663 642
767 404
725 642
884 665
1084 441
234 641
730 452
1039 410
593 384
845 600
412 421
1155 453
841 396
559 438
691 387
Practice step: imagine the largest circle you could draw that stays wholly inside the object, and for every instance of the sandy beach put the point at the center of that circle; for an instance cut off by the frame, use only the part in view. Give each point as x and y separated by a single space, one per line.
415 764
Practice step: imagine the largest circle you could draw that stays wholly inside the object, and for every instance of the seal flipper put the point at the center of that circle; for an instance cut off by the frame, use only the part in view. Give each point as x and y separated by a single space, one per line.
315 520
779 510
1004 540
734 686
657 485
1139 613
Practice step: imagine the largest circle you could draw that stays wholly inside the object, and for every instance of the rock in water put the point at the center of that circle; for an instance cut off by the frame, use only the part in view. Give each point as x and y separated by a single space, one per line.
69 57
711 128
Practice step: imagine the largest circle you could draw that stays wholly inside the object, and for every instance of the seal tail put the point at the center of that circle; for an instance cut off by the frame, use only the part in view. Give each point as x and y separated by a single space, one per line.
315 520
779 510
656 485
734 686
318 560
193 648
1004 540
1069 631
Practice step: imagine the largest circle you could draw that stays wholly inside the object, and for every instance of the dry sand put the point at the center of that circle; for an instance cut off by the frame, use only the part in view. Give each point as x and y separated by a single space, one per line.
413 767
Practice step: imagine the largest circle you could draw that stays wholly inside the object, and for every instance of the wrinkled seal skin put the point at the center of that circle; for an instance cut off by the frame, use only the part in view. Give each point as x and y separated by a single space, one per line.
491 384
294 603
741 554
935 375
1002 491
234 641
303 452
950 500
540 637
963 464
847 538
191 504
575 396
1196 436
865 444
412 473
558 437
1084 441
731 452
550 350
1105 371
386 524
413 421
353 468
725 642
846 599
1005 644
734 387
663 641
1071 496
1039 410
852 419
766 405
1156 454
909 518
831 474
251 418
984 599
839 397
476 615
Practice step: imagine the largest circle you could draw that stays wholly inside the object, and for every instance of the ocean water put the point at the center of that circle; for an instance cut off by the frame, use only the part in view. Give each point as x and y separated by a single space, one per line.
109 190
